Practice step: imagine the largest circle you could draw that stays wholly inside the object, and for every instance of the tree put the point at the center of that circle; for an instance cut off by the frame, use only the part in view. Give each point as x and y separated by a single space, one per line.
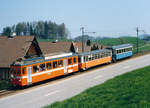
7 31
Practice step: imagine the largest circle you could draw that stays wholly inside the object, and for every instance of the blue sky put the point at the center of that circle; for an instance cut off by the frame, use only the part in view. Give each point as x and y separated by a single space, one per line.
105 17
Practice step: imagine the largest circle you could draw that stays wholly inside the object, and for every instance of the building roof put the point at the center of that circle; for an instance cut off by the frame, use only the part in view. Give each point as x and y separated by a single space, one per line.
54 47
78 45
13 48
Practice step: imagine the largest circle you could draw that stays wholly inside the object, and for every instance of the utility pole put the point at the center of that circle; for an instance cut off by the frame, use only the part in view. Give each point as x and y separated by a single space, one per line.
137 43
82 29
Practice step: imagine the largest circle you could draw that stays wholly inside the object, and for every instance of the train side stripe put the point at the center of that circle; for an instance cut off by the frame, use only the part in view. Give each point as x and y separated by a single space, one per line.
52 70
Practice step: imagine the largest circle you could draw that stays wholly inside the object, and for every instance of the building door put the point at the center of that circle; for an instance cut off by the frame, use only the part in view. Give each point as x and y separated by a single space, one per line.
29 77
65 66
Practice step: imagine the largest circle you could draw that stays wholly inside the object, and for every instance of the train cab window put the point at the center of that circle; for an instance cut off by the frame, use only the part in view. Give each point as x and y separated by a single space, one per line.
42 67
35 68
24 70
74 60
60 63
69 61
14 71
48 65
55 64
18 71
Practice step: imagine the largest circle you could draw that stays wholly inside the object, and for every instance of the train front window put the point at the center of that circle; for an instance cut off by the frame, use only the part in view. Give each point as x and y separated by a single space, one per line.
18 71
42 67
35 68
24 70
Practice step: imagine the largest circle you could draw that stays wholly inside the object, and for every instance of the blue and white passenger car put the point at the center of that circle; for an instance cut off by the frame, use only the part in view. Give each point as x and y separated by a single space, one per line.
122 51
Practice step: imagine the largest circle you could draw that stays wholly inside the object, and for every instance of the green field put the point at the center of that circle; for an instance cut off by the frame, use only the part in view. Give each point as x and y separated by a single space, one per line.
121 40
130 90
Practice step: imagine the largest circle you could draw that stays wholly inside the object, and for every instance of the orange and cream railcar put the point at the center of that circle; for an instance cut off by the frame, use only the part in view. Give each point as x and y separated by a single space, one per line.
29 71
93 58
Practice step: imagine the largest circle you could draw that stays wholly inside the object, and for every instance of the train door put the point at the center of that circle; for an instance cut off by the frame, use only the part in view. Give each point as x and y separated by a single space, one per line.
29 77
65 66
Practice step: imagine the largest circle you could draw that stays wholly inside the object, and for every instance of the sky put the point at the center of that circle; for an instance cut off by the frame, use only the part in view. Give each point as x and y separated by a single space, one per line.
105 17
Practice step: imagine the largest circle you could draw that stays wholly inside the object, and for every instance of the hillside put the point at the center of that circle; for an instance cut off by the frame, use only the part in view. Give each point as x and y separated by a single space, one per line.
121 40
130 90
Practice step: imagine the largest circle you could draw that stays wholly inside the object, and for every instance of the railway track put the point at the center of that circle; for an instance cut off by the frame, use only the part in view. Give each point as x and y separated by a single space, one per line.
5 92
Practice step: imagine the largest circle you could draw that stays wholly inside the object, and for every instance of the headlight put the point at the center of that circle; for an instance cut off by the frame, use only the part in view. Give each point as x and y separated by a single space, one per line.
12 76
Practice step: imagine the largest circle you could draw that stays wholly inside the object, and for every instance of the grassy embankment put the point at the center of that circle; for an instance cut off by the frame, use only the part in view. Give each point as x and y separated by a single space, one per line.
130 90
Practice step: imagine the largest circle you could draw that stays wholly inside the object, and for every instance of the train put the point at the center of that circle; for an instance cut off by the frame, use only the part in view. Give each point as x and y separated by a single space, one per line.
26 72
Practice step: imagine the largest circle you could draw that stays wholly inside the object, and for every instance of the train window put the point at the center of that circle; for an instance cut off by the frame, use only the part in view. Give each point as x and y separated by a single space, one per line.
79 59
89 56
74 60
102 55
15 71
60 63
48 65
84 58
55 64
98 55
35 68
18 71
87 59
95 56
69 61
42 67
119 51
92 56
24 70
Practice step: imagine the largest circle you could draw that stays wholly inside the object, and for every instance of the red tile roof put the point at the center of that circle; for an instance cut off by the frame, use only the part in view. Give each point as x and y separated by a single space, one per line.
51 47
13 48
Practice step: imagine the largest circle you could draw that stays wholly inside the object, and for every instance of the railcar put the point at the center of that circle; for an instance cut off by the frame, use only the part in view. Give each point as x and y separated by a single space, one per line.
93 58
121 51
29 71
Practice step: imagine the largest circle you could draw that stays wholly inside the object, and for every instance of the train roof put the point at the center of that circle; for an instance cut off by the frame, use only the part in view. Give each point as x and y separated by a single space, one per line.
42 59
122 46
95 51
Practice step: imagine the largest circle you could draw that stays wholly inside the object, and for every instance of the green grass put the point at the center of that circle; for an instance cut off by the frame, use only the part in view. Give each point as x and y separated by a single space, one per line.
4 84
121 40
130 90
